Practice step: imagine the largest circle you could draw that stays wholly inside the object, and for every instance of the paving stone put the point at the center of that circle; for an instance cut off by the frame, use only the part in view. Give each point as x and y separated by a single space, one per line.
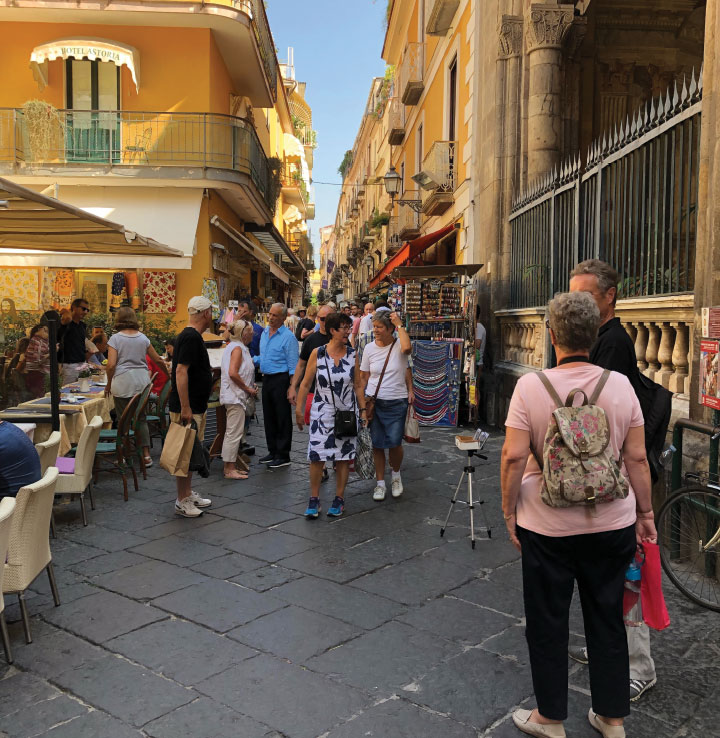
104 538
93 724
344 603
271 545
69 553
255 514
414 581
126 691
492 595
310 704
487 554
222 532
122 519
408 654
401 719
41 717
149 579
219 605
181 651
324 531
107 563
20 691
511 643
52 651
205 718
508 576
338 563
175 525
454 688
102 616
179 551
457 620
227 567
294 633
267 577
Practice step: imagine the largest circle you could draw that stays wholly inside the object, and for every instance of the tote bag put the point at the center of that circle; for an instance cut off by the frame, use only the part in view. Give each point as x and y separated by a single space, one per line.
177 449
364 462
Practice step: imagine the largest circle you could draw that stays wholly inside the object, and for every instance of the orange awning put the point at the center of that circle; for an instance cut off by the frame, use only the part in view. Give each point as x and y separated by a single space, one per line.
409 252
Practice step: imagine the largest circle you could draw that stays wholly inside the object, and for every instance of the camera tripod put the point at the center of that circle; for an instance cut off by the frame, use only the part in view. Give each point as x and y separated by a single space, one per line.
468 472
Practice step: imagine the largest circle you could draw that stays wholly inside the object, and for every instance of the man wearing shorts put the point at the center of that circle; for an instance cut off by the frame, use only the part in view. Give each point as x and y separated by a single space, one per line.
191 378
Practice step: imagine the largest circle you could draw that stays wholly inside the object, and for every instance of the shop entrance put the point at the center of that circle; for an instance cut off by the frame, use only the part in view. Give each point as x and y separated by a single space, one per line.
92 130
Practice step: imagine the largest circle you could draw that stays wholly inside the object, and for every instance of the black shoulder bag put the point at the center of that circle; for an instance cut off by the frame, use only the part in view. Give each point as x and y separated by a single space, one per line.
345 420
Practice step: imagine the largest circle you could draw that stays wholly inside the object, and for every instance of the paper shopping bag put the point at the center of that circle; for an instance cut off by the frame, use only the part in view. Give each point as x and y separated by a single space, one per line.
412 427
175 457
655 613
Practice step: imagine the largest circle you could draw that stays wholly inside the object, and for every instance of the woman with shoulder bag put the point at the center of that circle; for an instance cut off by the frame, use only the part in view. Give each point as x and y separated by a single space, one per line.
333 415
573 521
386 383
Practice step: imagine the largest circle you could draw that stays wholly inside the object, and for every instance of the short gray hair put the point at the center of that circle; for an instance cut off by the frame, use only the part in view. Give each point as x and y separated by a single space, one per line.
281 306
607 276
383 316
575 320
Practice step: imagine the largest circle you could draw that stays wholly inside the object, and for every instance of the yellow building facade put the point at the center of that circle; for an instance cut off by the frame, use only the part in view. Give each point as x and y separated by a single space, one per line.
418 124
171 118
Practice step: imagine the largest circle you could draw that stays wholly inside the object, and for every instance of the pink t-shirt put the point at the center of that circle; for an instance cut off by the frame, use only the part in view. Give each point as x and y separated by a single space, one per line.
530 410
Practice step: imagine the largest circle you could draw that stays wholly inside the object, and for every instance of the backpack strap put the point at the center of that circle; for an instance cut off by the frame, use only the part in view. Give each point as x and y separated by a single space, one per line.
599 387
551 390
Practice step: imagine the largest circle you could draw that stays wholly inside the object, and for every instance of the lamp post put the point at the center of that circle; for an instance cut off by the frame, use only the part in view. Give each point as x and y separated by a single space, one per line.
392 181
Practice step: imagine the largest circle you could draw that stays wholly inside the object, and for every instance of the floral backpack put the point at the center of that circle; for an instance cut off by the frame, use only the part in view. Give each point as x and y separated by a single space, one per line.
577 463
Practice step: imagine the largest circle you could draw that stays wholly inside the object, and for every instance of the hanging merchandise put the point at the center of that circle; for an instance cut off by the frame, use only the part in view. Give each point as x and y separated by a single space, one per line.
436 381
132 287
118 294
21 286
58 289
159 292
210 290
91 295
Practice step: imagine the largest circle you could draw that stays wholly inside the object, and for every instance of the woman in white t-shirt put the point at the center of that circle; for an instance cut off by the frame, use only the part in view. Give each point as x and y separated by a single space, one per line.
393 396
564 545
127 371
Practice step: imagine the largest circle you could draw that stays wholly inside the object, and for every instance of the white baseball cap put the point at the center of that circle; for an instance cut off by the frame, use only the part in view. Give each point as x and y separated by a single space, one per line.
198 304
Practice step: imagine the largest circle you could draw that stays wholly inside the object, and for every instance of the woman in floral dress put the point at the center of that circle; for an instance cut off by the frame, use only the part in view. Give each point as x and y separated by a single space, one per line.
333 368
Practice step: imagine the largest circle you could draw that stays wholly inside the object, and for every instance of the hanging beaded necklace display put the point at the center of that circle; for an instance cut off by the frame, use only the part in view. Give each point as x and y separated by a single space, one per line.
435 378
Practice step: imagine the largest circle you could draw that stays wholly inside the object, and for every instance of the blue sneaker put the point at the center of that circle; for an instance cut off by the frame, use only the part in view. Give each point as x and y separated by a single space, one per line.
313 508
337 507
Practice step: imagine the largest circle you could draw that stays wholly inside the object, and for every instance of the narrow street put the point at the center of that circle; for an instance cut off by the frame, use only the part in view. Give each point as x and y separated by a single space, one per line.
253 621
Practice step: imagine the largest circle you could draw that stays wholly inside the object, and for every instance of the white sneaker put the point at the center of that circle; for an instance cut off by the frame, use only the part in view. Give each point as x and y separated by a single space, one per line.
187 508
379 493
397 488
200 501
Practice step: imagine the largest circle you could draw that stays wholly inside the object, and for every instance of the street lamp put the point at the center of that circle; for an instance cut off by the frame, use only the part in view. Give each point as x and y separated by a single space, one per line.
392 181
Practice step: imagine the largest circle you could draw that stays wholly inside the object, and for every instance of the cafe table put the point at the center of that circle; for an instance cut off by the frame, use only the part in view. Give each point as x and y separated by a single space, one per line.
80 407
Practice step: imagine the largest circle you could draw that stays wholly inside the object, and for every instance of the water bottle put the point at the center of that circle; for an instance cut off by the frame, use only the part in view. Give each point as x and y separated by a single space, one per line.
631 598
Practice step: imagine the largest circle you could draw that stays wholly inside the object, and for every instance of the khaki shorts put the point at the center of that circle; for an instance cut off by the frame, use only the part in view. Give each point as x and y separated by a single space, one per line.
199 421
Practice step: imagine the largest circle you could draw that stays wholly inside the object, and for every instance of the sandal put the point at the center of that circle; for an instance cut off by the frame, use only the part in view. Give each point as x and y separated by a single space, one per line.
148 462
237 474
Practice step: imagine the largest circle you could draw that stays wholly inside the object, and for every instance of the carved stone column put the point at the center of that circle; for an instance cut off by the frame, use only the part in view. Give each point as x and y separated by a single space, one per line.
651 353
665 354
547 25
680 359
641 342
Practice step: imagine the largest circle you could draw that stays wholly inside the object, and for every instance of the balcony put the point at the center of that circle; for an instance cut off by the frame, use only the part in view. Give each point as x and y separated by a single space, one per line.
408 221
396 121
294 189
155 145
411 73
393 242
441 17
437 178
239 27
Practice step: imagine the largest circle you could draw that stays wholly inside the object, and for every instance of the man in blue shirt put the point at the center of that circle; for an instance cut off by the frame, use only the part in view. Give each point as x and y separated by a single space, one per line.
277 361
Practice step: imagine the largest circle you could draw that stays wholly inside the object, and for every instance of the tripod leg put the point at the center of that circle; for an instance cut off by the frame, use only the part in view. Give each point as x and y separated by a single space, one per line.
471 506
452 503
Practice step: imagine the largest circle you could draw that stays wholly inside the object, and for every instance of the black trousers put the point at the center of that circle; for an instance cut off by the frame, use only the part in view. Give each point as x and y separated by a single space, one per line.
597 561
277 414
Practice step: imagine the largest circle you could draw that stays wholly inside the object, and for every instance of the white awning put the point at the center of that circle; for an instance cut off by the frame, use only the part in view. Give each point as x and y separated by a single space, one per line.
80 47
279 272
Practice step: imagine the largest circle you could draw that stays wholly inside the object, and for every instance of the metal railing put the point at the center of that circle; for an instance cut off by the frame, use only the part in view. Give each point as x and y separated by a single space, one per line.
411 72
407 218
634 206
396 121
265 43
143 139
440 165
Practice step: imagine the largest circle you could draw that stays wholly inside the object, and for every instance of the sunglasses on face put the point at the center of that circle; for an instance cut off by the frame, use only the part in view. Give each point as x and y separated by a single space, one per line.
321 318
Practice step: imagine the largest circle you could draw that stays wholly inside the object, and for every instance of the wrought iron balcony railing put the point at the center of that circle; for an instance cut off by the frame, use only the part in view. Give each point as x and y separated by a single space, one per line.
139 139
411 73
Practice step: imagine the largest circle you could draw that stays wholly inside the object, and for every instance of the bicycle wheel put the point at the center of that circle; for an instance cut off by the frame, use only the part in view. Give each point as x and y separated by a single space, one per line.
688 528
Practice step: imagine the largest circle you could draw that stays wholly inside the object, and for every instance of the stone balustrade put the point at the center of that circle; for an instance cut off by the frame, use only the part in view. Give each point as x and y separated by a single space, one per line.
523 337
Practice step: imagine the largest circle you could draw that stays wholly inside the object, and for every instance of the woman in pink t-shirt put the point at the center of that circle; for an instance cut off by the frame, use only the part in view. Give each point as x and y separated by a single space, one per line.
561 546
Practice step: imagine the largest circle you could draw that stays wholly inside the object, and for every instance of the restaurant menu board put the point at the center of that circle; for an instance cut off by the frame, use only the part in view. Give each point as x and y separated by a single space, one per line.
709 354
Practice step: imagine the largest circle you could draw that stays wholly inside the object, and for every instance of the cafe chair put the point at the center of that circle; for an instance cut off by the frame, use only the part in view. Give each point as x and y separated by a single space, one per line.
158 422
80 480
116 452
7 508
29 549
140 147
48 451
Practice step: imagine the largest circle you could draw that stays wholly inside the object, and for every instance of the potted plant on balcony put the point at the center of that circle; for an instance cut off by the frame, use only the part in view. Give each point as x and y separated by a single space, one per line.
43 128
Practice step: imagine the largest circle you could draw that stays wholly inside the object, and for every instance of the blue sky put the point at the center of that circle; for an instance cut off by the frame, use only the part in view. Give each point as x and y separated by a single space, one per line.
337 52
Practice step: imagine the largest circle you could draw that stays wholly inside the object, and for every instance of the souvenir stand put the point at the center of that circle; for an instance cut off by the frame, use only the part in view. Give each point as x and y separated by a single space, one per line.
439 310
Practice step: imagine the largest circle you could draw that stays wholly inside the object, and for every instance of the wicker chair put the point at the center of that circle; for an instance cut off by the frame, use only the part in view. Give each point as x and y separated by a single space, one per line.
7 508
80 480
48 451
29 550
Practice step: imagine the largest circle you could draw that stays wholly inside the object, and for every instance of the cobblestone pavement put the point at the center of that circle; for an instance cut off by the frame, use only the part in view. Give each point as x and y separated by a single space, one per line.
252 621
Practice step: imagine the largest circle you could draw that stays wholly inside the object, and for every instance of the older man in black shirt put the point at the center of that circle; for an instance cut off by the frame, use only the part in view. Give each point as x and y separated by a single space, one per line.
72 335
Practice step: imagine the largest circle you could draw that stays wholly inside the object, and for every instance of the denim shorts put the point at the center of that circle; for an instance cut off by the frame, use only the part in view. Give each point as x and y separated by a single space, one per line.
388 424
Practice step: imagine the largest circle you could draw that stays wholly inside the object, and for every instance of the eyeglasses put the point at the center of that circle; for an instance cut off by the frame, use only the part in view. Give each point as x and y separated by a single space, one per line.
84 309
321 318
